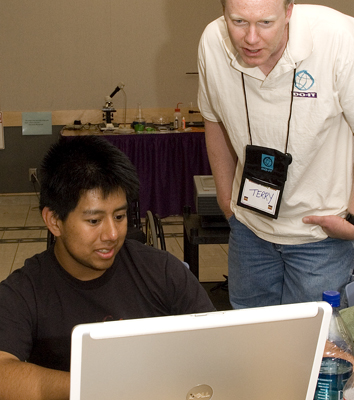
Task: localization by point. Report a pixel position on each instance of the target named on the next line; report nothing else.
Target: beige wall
(68, 55)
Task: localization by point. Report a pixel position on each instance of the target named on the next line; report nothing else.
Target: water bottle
(348, 391)
(337, 363)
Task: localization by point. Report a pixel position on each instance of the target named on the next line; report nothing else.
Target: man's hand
(223, 161)
(225, 207)
(228, 214)
(333, 225)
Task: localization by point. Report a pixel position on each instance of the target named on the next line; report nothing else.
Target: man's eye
(93, 221)
(120, 217)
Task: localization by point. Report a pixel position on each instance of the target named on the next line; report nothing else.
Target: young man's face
(258, 30)
(92, 234)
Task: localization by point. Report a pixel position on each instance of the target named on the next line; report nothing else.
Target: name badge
(263, 180)
(259, 196)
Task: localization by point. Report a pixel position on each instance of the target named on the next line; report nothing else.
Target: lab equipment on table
(177, 117)
(161, 123)
(139, 120)
(108, 110)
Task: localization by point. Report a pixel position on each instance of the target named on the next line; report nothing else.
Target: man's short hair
(72, 167)
(286, 3)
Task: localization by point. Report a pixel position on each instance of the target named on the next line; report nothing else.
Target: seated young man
(90, 274)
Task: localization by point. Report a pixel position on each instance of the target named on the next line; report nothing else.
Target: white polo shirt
(321, 48)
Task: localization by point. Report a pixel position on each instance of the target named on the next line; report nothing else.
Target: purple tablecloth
(166, 164)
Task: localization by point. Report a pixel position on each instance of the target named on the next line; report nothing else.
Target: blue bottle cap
(332, 297)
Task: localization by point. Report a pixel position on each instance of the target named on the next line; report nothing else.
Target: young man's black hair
(72, 167)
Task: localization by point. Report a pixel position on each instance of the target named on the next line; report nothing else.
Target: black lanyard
(290, 112)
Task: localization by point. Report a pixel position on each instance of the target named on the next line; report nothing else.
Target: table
(165, 163)
(194, 235)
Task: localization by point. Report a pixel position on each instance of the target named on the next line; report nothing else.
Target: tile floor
(21, 211)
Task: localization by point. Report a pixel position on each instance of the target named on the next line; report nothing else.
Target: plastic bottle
(348, 391)
(175, 123)
(336, 367)
(183, 123)
(177, 117)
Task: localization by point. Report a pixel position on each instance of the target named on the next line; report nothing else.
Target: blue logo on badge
(267, 163)
(304, 81)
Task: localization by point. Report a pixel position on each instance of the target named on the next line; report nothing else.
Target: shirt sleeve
(204, 96)
(16, 325)
(344, 72)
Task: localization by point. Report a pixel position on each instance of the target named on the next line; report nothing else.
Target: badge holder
(265, 171)
(263, 180)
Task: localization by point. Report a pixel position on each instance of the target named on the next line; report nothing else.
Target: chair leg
(150, 230)
(223, 285)
(160, 232)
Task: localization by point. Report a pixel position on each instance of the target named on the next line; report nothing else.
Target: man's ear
(51, 220)
(289, 12)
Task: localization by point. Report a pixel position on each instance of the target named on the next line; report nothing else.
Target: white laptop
(268, 353)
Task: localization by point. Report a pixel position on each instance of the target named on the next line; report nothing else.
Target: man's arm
(333, 225)
(25, 381)
(223, 161)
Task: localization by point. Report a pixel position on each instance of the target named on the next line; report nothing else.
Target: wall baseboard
(8, 199)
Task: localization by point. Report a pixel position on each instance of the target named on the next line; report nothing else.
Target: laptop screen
(263, 353)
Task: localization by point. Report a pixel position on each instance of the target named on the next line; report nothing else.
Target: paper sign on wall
(36, 123)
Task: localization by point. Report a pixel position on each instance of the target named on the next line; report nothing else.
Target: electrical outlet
(32, 173)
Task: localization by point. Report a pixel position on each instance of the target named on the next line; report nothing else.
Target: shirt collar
(300, 44)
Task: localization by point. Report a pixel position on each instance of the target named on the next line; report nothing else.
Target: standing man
(276, 90)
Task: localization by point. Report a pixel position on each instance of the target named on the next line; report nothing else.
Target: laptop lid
(263, 353)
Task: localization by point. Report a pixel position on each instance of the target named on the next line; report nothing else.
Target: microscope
(108, 109)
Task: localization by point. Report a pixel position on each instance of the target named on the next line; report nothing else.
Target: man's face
(258, 30)
(92, 234)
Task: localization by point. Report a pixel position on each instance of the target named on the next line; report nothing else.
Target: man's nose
(110, 230)
(252, 35)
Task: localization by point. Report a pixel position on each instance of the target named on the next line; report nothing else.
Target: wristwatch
(350, 218)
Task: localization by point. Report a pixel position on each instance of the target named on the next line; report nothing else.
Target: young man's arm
(25, 381)
(223, 161)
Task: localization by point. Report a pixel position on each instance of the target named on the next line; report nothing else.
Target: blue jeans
(263, 273)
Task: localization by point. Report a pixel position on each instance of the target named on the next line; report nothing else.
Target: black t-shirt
(41, 303)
